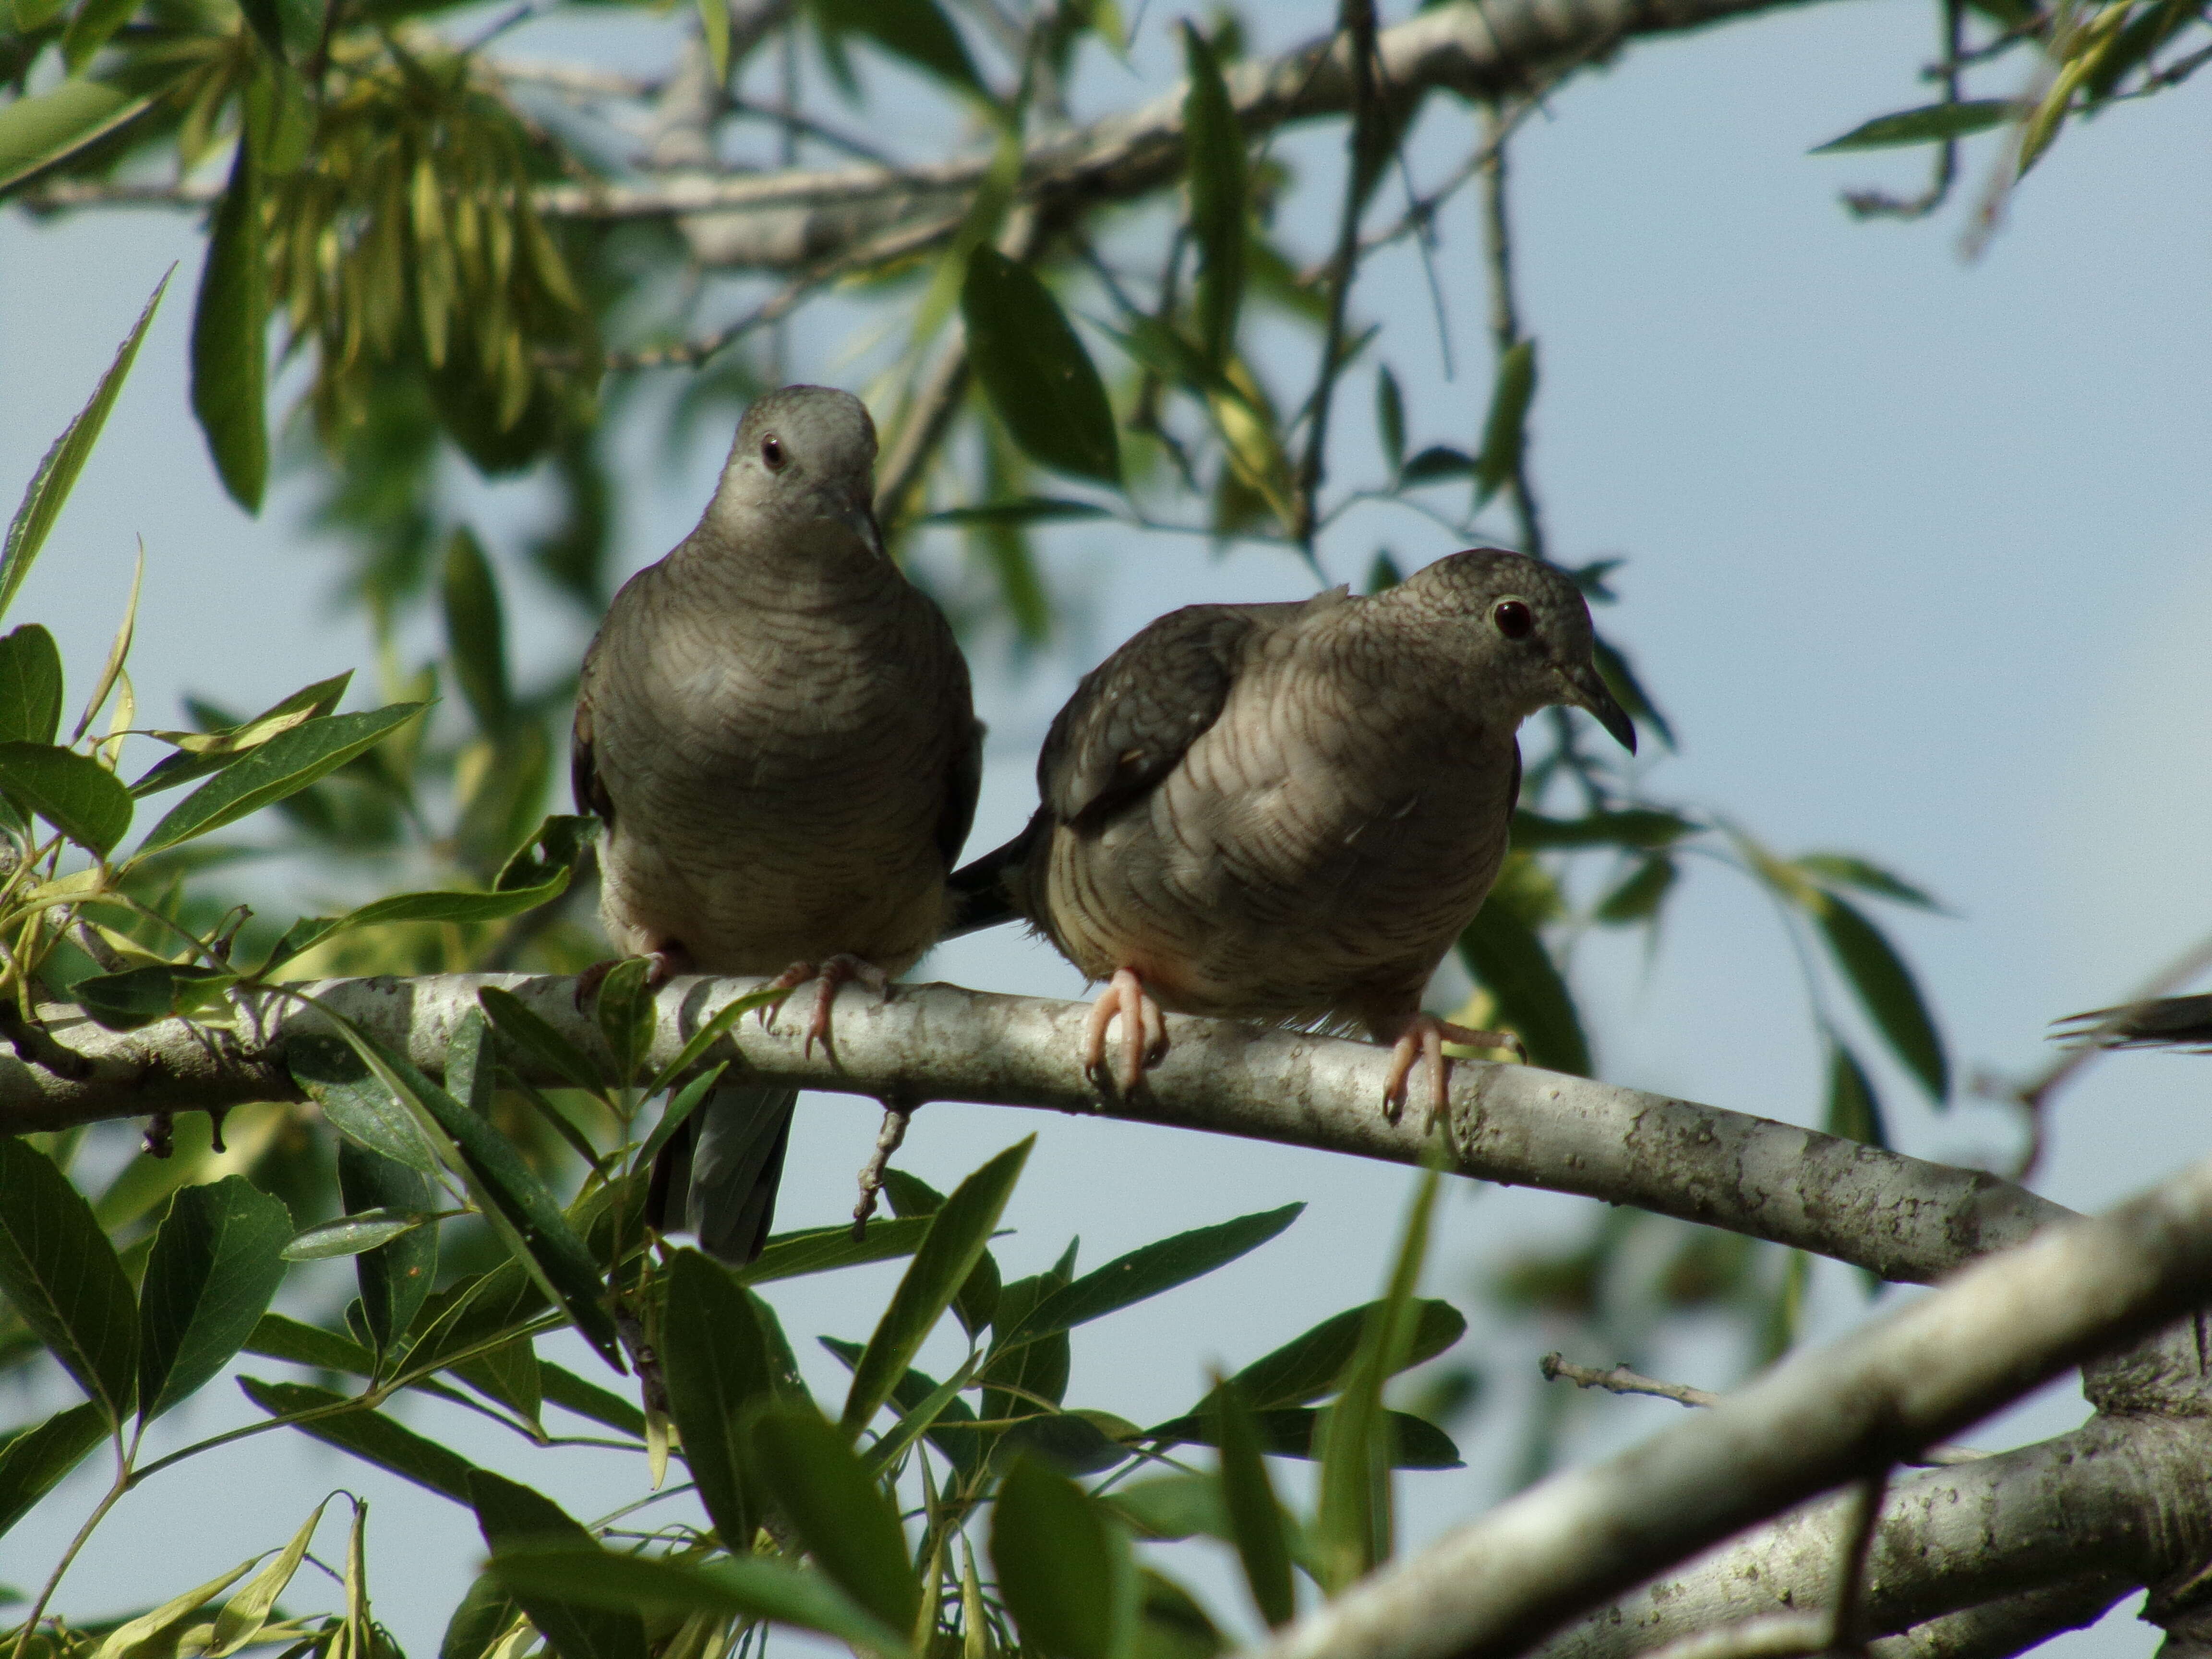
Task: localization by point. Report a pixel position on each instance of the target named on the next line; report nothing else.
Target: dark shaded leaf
(36, 1459)
(624, 1010)
(950, 1430)
(278, 1336)
(1074, 1443)
(395, 1274)
(357, 1105)
(1389, 422)
(1026, 509)
(1635, 827)
(1843, 870)
(74, 793)
(1437, 461)
(718, 1368)
(824, 1249)
(370, 1436)
(1214, 146)
(1150, 1270)
(480, 1619)
(1313, 1363)
(957, 1235)
(571, 1392)
(1172, 1507)
(1885, 988)
(1507, 958)
(532, 1037)
(845, 1519)
(915, 30)
(1504, 432)
(512, 1516)
(160, 990)
(283, 766)
(1063, 1564)
(1255, 1519)
(1854, 1109)
(217, 1259)
(1038, 376)
(1296, 1431)
(230, 334)
(476, 627)
(59, 1271)
(1930, 124)
(1639, 897)
(1620, 678)
(30, 686)
(1174, 1624)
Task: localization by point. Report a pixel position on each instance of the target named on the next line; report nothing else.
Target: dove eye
(1513, 619)
(772, 453)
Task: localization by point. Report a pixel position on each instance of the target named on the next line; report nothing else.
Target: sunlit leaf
(72, 792)
(199, 753)
(244, 1615)
(154, 1635)
(62, 1276)
(30, 686)
(349, 1235)
(217, 1259)
(36, 1459)
(283, 766)
(35, 132)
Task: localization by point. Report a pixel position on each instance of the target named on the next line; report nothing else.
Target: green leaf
(624, 1011)
(370, 1436)
(1025, 509)
(1390, 418)
(571, 1392)
(514, 1020)
(1506, 956)
(718, 1368)
(958, 1234)
(359, 1106)
(509, 1374)
(155, 1635)
(1063, 1565)
(1640, 827)
(160, 990)
(915, 30)
(714, 30)
(1173, 1507)
(351, 1235)
(1843, 870)
(1619, 677)
(513, 1517)
(1437, 461)
(455, 906)
(1505, 428)
(395, 1272)
(476, 629)
(34, 1460)
(1255, 1516)
(481, 1616)
(845, 1519)
(1038, 376)
(199, 753)
(1930, 124)
(230, 334)
(283, 766)
(825, 1250)
(30, 686)
(246, 1612)
(1151, 1269)
(36, 132)
(74, 793)
(217, 1261)
(1352, 1529)
(1313, 1363)
(1639, 897)
(59, 1271)
(26, 130)
(94, 23)
(1854, 1109)
(1219, 213)
(696, 1046)
(1885, 988)
(280, 1337)
(507, 1189)
(918, 1394)
(747, 1586)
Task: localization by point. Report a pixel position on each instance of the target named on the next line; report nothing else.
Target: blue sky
(1917, 563)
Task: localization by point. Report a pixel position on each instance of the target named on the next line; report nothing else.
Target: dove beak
(1586, 691)
(861, 516)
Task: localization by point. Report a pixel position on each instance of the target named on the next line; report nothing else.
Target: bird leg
(1423, 1037)
(1144, 1032)
(665, 960)
(828, 976)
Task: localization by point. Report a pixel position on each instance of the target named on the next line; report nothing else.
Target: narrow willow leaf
(72, 792)
(1505, 428)
(512, 1517)
(476, 626)
(571, 1392)
(958, 1234)
(62, 1275)
(1063, 1564)
(1847, 870)
(1854, 1109)
(349, 1235)
(1025, 509)
(36, 1459)
(1214, 144)
(747, 1586)
(198, 753)
(1151, 1269)
(1930, 124)
(30, 686)
(118, 653)
(1035, 371)
(153, 1634)
(1413, 1443)
(1887, 990)
(246, 1612)
(1507, 958)
(916, 30)
(714, 30)
(826, 1249)
(92, 26)
(624, 1011)
(36, 132)
(1639, 897)
(1437, 461)
(843, 1517)
(454, 907)
(283, 766)
(1255, 1519)
(357, 1105)
(230, 335)
(395, 1272)
(138, 997)
(718, 1368)
(677, 1113)
(1313, 1363)
(1390, 418)
(696, 1046)
(484, 1613)
(215, 1263)
(514, 1019)
(277, 1336)
(370, 1436)
(1635, 827)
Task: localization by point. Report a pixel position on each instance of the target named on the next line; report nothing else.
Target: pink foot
(1423, 1037)
(1144, 1032)
(828, 975)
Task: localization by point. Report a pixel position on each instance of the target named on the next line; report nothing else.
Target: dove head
(802, 452)
(1524, 628)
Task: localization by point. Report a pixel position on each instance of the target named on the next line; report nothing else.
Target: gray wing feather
(738, 1144)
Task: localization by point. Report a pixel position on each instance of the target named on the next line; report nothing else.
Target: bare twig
(889, 1139)
(1621, 1380)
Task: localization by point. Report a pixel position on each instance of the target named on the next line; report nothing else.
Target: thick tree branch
(1822, 1416)
(1903, 1218)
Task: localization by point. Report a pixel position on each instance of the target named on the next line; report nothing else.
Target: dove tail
(717, 1177)
(982, 891)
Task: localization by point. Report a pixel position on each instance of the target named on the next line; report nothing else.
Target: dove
(775, 728)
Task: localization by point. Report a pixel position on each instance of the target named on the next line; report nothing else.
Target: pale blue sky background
(1917, 563)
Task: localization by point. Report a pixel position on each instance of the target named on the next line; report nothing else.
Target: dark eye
(772, 453)
(1513, 619)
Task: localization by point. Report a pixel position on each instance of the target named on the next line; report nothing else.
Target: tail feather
(983, 890)
(717, 1177)
(2162, 1022)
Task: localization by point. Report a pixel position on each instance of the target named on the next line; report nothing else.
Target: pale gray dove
(1287, 813)
(776, 728)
